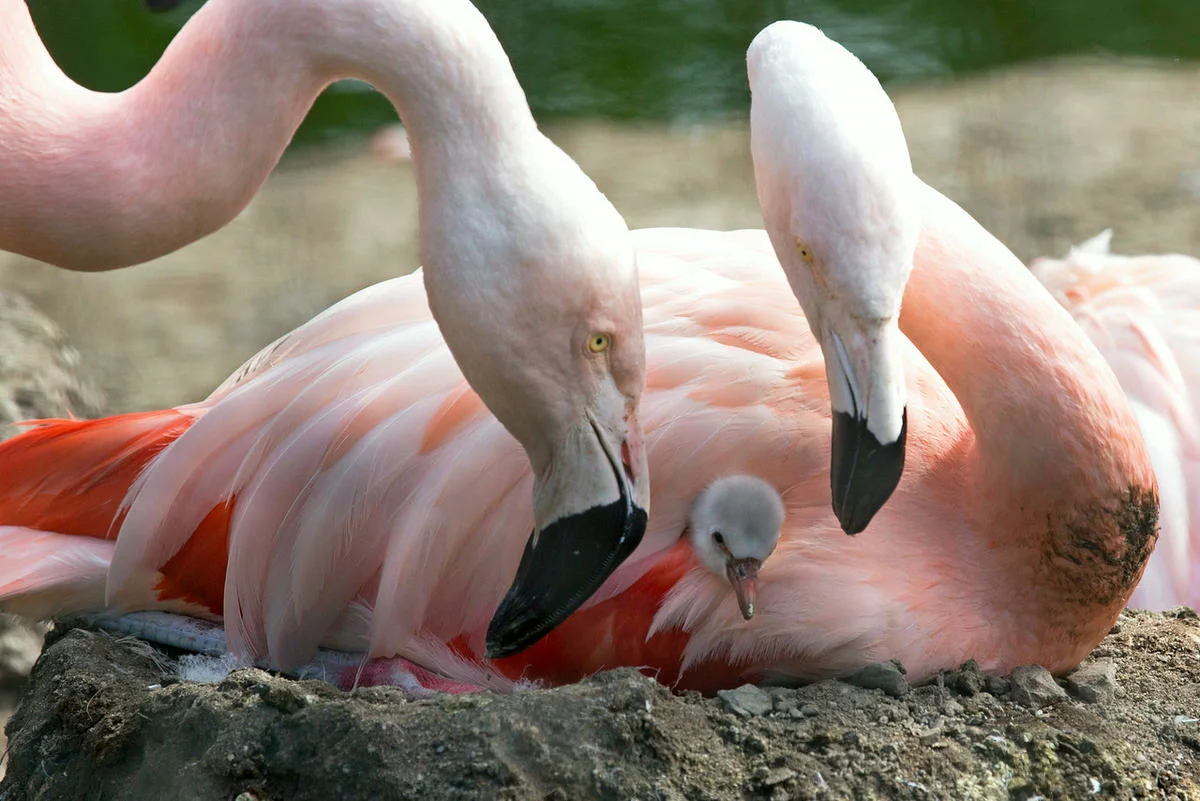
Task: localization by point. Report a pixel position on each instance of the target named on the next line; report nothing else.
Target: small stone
(952, 708)
(246, 797)
(810, 710)
(778, 776)
(754, 745)
(886, 676)
(1033, 686)
(851, 738)
(1094, 682)
(967, 680)
(746, 700)
(785, 703)
(931, 735)
(997, 685)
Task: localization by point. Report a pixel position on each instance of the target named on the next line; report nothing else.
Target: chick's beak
(743, 575)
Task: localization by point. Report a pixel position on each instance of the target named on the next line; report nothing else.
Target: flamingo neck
(1057, 462)
(96, 181)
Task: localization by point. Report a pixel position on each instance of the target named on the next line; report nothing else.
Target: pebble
(1094, 682)
(747, 701)
(886, 676)
(997, 685)
(1033, 686)
(779, 776)
(967, 680)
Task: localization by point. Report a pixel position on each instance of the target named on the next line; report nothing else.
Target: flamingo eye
(718, 538)
(598, 343)
(804, 250)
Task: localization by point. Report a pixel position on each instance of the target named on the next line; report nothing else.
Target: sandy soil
(1044, 156)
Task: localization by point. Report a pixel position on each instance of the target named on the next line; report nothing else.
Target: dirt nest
(107, 719)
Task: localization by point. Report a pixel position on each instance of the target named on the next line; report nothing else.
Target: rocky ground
(1044, 156)
(106, 719)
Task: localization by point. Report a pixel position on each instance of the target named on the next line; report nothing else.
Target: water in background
(673, 60)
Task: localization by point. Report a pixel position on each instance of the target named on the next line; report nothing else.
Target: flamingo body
(345, 488)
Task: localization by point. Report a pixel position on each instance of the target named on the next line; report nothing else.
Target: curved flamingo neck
(1058, 477)
(1047, 413)
(96, 181)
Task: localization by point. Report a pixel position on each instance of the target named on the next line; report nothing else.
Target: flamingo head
(837, 192)
(536, 292)
(734, 526)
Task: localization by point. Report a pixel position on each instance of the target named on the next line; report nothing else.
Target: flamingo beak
(870, 425)
(743, 575)
(567, 560)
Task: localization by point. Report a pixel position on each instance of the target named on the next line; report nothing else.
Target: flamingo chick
(734, 526)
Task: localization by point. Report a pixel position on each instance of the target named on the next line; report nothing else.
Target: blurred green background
(672, 60)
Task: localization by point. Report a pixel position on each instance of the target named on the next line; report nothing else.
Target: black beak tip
(573, 556)
(864, 472)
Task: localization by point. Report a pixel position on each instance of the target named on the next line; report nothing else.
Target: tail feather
(44, 574)
(71, 476)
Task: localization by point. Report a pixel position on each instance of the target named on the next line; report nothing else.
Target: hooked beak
(870, 423)
(568, 560)
(743, 575)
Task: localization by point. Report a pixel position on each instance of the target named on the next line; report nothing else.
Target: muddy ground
(1044, 156)
(107, 720)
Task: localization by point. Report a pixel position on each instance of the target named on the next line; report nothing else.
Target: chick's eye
(598, 343)
(717, 538)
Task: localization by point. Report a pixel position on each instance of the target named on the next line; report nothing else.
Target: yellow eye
(805, 252)
(598, 343)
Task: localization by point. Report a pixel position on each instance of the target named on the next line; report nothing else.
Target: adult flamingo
(1143, 313)
(529, 270)
(346, 489)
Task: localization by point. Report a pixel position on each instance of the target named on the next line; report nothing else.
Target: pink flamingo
(1141, 312)
(529, 270)
(346, 489)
